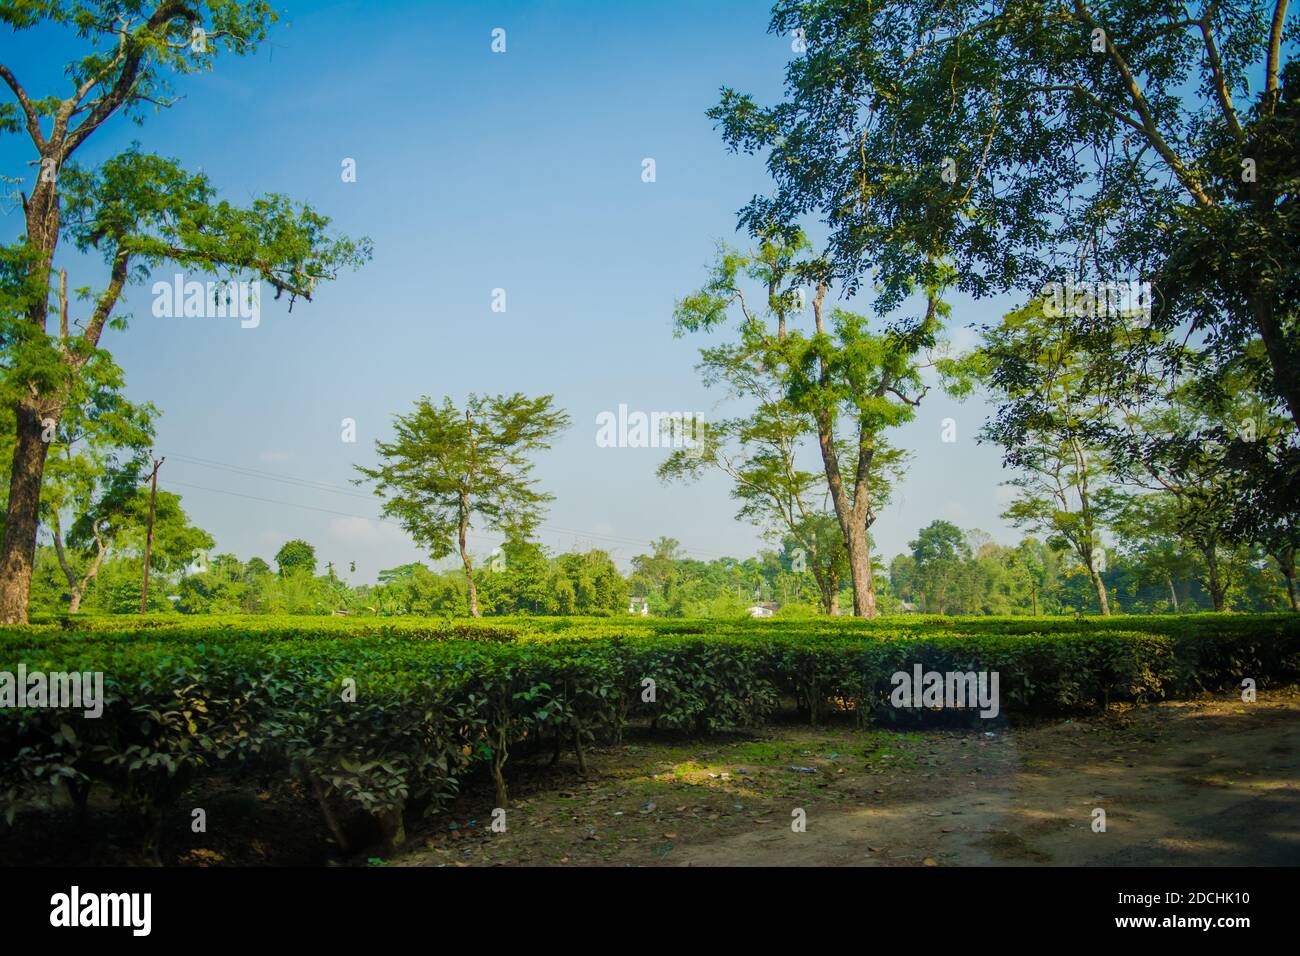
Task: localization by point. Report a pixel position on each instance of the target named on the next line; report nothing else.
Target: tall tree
(852, 383)
(940, 569)
(1012, 141)
(654, 575)
(138, 210)
(99, 500)
(96, 452)
(1062, 494)
(1052, 411)
(759, 452)
(448, 466)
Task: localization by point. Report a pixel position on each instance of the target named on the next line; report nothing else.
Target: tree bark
(853, 521)
(18, 552)
(828, 582)
(832, 593)
(853, 527)
(1173, 594)
(864, 587)
(464, 556)
(1100, 585)
(76, 587)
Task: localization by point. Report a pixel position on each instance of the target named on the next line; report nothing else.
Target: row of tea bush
(386, 719)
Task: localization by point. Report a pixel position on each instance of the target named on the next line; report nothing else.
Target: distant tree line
(945, 571)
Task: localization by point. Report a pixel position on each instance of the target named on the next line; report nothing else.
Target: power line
(271, 476)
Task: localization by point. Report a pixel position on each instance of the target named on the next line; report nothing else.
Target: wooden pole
(148, 538)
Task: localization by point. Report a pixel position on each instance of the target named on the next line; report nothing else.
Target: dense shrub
(380, 715)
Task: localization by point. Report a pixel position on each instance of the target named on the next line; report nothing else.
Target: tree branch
(1148, 124)
(1274, 54)
(29, 109)
(107, 104)
(1220, 82)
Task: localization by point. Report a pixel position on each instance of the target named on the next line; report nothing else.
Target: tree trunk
(852, 515)
(1173, 594)
(1217, 588)
(43, 215)
(18, 552)
(864, 589)
(1286, 561)
(464, 556)
(74, 592)
(76, 587)
(828, 586)
(331, 821)
(498, 776)
(1286, 374)
(1101, 590)
(852, 523)
(22, 517)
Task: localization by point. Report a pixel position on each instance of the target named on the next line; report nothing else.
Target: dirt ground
(1213, 781)
(1205, 782)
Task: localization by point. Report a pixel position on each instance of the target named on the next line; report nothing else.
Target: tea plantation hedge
(381, 715)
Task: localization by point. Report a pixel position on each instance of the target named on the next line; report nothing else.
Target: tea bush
(378, 716)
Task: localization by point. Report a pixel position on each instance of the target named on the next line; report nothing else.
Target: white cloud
(364, 531)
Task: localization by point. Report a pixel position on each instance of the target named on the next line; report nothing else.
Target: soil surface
(1204, 782)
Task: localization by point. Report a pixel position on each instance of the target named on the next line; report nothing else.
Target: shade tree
(137, 210)
(448, 467)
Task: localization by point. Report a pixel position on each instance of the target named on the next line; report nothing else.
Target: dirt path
(1210, 782)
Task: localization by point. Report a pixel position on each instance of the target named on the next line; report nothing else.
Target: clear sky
(475, 171)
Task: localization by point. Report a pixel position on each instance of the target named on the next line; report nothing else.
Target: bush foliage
(382, 716)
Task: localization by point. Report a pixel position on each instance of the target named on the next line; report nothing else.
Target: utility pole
(148, 538)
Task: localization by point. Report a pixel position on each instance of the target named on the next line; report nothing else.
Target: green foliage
(448, 466)
(137, 210)
(371, 715)
(296, 557)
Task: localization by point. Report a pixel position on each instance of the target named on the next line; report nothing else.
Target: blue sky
(475, 171)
